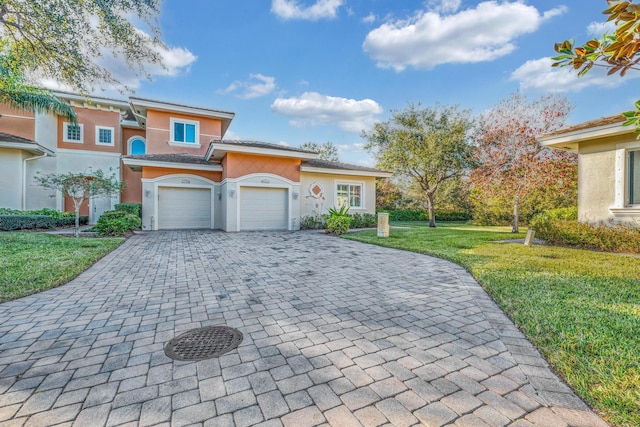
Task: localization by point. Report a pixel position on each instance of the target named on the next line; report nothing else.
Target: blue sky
(323, 70)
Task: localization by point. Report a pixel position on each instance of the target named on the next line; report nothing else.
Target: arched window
(137, 145)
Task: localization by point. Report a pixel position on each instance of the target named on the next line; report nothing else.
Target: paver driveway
(334, 331)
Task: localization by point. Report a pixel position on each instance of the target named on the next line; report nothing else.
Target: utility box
(383, 225)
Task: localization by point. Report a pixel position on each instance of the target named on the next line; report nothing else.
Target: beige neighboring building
(608, 168)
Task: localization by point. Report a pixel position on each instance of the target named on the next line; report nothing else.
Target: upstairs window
(137, 146)
(350, 195)
(104, 135)
(73, 133)
(185, 131)
(633, 177)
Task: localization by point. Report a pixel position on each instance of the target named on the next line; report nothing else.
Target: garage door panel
(184, 208)
(263, 208)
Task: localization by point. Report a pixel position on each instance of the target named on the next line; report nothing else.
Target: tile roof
(7, 137)
(326, 164)
(602, 121)
(258, 144)
(175, 104)
(171, 158)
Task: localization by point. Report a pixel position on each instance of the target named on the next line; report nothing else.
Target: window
(185, 131)
(137, 146)
(633, 177)
(73, 133)
(104, 135)
(349, 194)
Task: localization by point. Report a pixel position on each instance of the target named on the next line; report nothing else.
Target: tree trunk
(514, 225)
(432, 213)
(76, 231)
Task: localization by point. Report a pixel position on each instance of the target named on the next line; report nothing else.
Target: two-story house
(176, 164)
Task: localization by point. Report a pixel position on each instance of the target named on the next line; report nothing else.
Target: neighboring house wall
(596, 183)
(46, 133)
(17, 122)
(11, 178)
(314, 205)
(159, 130)
(236, 165)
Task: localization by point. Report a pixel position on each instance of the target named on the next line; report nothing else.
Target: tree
(511, 163)
(328, 151)
(619, 52)
(428, 145)
(69, 40)
(81, 187)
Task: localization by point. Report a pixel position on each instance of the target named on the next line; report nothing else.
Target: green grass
(580, 308)
(33, 262)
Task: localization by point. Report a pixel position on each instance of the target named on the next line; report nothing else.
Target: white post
(528, 240)
(383, 225)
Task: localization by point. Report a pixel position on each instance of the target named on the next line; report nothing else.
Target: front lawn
(581, 309)
(33, 262)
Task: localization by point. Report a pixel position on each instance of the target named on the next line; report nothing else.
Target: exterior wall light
(232, 193)
(295, 196)
(147, 193)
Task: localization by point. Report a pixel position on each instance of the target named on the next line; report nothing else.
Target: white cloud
(369, 19)
(479, 34)
(597, 29)
(321, 9)
(539, 75)
(445, 6)
(312, 109)
(257, 86)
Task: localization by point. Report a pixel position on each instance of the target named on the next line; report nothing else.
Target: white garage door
(180, 208)
(263, 208)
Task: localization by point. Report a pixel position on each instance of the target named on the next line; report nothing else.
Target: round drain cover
(203, 343)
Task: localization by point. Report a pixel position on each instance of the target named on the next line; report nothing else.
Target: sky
(296, 71)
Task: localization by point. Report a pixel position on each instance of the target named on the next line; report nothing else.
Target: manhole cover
(203, 343)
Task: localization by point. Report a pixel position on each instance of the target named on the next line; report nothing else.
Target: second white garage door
(182, 208)
(263, 208)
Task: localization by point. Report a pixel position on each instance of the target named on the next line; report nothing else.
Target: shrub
(8, 211)
(25, 222)
(69, 220)
(561, 227)
(313, 222)
(130, 208)
(113, 223)
(364, 220)
(338, 224)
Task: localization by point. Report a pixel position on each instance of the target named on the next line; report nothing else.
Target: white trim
(257, 175)
(172, 138)
(124, 105)
(87, 152)
(133, 138)
(568, 141)
(184, 144)
(621, 187)
(113, 136)
(18, 117)
(31, 148)
(274, 152)
(159, 129)
(65, 131)
(162, 106)
(354, 172)
(337, 182)
(131, 124)
(171, 165)
(178, 176)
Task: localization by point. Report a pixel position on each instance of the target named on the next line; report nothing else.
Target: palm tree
(23, 96)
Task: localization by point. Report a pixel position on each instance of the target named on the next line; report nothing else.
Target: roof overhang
(376, 174)
(34, 148)
(96, 100)
(217, 151)
(140, 106)
(569, 141)
(138, 164)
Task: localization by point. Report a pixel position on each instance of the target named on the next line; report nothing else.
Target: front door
(97, 207)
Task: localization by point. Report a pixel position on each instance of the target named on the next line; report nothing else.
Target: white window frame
(113, 136)
(65, 132)
(172, 141)
(350, 183)
(133, 138)
(622, 175)
(627, 178)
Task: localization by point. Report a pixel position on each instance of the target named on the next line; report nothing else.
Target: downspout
(24, 178)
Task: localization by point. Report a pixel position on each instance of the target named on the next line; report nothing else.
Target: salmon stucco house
(176, 164)
(608, 168)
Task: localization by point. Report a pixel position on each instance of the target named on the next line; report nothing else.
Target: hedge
(115, 223)
(30, 222)
(130, 208)
(407, 215)
(561, 227)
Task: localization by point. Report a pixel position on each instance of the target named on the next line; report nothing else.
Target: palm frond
(30, 98)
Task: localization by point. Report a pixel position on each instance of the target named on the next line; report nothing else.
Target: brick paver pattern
(335, 333)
